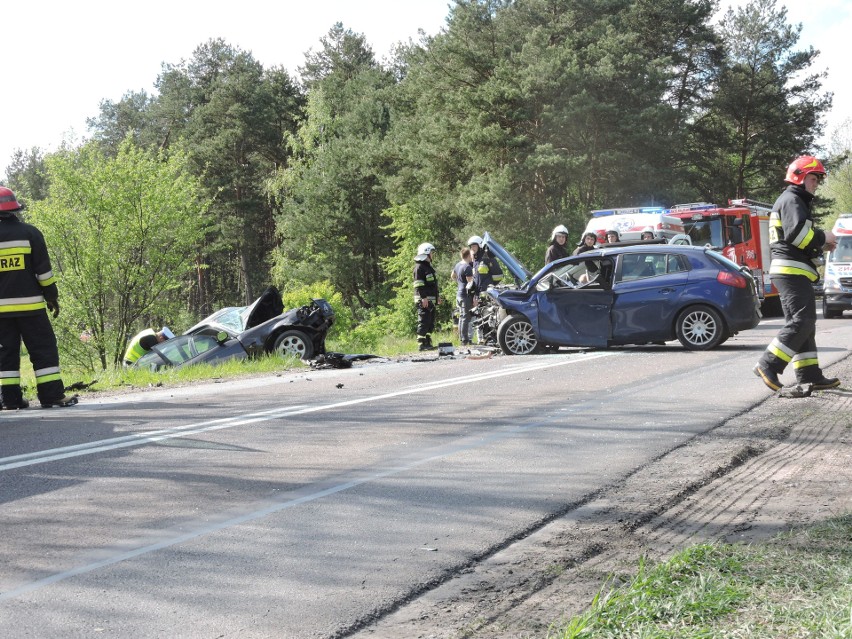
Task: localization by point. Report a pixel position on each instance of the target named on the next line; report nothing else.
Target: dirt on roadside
(784, 463)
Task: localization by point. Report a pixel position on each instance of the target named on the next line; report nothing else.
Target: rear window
(718, 257)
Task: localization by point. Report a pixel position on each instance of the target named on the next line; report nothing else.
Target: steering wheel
(569, 283)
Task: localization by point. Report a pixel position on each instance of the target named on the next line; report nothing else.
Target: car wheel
(700, 328)
(516, 336)
(294, 343)
(828, 313)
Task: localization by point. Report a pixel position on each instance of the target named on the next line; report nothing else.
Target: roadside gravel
(785, 462)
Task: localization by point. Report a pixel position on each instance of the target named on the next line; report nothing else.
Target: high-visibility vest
(135, 350)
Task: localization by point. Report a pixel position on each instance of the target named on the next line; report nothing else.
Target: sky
(61, 59)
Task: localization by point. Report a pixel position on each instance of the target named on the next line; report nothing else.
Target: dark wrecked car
(638, 293)
(247, 331)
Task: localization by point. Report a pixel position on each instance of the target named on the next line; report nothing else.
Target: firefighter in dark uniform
(486, 270)
(27, 290)
(794, 243)
(425, 295)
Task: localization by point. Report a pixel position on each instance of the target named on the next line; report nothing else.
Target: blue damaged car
(632, 293)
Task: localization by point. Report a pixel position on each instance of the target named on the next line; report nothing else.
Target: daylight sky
(62, 58)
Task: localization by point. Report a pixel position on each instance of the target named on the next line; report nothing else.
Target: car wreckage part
(294, 343)
(517, 336)
(700, 328)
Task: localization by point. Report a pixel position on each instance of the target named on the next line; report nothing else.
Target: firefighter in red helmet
(794, 244)
(27, 290)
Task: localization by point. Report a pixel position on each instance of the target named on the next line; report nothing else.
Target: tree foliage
(765, 110)
(122, 233)
(331, 195)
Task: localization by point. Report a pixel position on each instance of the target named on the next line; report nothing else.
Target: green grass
(121, 378)
(797, 585)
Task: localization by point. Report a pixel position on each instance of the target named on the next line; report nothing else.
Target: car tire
(294, 343)
(700, 328)
(516, 336)
(828, 313)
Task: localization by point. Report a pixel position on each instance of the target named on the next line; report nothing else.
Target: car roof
(644, 248)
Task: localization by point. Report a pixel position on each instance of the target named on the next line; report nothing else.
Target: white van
(837, 283)
(630, 222)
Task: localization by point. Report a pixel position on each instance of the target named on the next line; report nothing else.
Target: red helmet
(801, 166)
(8, 203)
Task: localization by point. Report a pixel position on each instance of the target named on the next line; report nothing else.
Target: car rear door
(648, 287)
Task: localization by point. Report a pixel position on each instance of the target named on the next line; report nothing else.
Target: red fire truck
(740, 232)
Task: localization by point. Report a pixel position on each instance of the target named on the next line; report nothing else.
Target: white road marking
(139, 439)
(440, 452)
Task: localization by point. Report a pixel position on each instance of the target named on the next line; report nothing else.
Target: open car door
(575, 301)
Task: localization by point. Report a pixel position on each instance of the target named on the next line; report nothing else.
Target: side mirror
(221, 337)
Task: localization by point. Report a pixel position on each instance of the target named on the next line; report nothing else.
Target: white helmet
(559, 229)
(475, 239)
(423, 251)
(167, 332)
(648, 229)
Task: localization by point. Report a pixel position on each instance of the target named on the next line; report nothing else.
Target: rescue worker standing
(463, 276)
(486, 270)
(558, 247)
(794, 243)
(647, 233)
(589, 243)
(142, 342)
(27, 291)
(425, 295)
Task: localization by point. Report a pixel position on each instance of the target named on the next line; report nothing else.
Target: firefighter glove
(53, 307)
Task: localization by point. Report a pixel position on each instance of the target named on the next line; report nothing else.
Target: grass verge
(120, 378)
(794, 586)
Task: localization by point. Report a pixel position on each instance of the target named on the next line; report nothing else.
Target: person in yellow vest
(143, 341)
(27, 291)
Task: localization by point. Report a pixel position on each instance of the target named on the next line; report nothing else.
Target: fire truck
(740, 231)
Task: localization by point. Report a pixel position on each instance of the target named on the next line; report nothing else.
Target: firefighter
(27, 291)
(557, 249)
(143, 341)
(486, 270)
(647, 233)
(612, 236)
(425, 295)
(588, 243)
(794, 243)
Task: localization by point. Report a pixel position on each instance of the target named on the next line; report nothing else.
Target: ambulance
(630, 222)
(837, 283)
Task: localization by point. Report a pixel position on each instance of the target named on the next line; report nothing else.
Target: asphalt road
(309, 504)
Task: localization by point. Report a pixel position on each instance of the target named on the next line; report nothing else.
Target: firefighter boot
(21, 404)
(63, 402)
(825, 383)
(769, 376)
(425, 343)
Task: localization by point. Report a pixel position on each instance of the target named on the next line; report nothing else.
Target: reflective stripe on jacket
(794, 241)
(26, 277)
